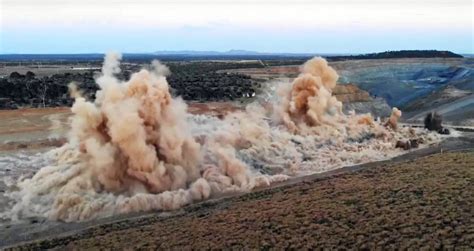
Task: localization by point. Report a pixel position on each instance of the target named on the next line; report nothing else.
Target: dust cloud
(135, 148)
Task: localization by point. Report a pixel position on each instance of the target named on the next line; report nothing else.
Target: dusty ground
(427, 203)
(33, 128)
(217, 109)
(47, 127)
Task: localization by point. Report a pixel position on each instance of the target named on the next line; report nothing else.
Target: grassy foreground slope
(423, 203)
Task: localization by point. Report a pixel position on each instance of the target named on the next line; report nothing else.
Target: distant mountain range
(235, 53)
(386, 54)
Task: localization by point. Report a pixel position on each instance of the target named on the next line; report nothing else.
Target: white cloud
(145, 13)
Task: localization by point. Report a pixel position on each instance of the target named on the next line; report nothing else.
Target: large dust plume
(135, 148)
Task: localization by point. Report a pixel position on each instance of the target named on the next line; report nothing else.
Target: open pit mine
(136, 148)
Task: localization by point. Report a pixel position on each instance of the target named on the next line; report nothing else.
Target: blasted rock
(433, 122)
(409, 144)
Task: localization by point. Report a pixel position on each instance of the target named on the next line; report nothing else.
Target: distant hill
(379, 55)
(210, 53)
(192, 53)
(401, 54)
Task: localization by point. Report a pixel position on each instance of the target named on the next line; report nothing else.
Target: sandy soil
(427, 203)
(31, 119)
(47, 127)
(31, 125)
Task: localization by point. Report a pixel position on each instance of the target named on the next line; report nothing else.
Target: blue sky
(357, 26)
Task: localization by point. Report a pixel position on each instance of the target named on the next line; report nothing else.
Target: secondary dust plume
(135, 148)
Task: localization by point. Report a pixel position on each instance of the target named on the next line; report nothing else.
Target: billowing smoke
(135, 148)
(308, 102)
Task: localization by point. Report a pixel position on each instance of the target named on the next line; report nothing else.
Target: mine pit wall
(352, 97)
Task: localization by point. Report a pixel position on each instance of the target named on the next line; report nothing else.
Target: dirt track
(424, 203)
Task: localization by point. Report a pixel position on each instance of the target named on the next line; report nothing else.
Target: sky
(299, 26)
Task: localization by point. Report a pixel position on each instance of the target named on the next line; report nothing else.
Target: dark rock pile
(409, 144)
(212, 86)
(194, 81)
(200, 81)
(433, 123)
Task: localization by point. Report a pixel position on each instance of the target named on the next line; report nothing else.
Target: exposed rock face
(351, 93)
(445, 95)
(404, 83)
(354, 98)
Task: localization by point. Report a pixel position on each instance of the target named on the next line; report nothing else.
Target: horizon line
(250, 52)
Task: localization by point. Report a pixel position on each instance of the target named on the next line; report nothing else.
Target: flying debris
(433, 123)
